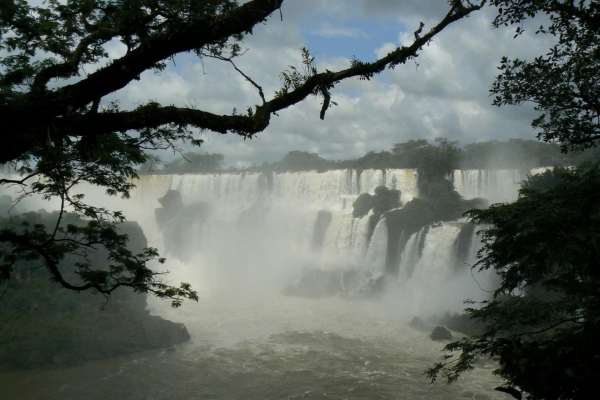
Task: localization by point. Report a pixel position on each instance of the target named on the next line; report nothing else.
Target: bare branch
(260, 90)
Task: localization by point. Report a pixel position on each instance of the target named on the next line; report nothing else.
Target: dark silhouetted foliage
(545, 246)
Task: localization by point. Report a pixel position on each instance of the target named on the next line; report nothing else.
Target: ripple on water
(283, 348)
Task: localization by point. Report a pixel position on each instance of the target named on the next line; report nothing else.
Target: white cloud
(385, 49)
(446, 95)
(329, 30)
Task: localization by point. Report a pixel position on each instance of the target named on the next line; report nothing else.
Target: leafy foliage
(97, 252)
(563, 84)
(543, 323)
(440, 158)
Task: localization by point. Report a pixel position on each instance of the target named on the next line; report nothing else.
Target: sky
(445, 93)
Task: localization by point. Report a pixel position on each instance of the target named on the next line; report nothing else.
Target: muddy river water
(276, 348)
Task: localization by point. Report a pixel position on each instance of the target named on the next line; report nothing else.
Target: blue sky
(445, 95)
(355, 37)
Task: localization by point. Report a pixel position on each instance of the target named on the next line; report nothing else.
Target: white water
(433, 279)
(250, 341)
(258, 236)
(277, 244)
(497, 186)
(376, 254)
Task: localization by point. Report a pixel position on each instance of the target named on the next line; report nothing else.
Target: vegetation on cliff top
(432, 159)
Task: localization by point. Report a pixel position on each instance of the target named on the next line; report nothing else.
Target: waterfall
(495, 185)
(429, 277)
(405, 180)
(290, 203)
(410, 255)
(377, 252)
(258, 229)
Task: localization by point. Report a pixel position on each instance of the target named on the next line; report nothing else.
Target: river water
(251, 342)
(273, 348)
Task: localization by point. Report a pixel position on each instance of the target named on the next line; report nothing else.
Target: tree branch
(153, 115)
(260, 90)
(71, 66)
(48, 105)
(54, 108)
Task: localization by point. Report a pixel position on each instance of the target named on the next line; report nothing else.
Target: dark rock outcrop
(112, 336)
(461, 323)
(157, 332)
(440, 333)
(362, 205)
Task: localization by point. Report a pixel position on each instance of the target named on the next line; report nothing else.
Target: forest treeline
(437, 158)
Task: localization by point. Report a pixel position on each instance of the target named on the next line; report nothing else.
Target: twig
(260, 91)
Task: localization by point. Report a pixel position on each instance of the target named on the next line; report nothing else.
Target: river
(274, 348)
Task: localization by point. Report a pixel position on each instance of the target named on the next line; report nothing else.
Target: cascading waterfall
(410, 255)
(291, 200)
(404, 180)
(241, 238)
(495, 185)
(430, 274)
(377, 251)
(259, 227)
(255, 215)
(266, 222)
(434, 267)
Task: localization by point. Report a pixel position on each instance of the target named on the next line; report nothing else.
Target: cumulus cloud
(443, 93)
(327, 29)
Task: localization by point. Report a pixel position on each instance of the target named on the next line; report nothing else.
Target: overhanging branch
(153, 115)
(54, 109)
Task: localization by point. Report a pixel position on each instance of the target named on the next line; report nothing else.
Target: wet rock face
(440, 333)
(362, 205)
(158, 332)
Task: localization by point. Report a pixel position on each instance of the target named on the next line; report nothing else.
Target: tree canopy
(563, 84)
(58, 132)
(543, 321)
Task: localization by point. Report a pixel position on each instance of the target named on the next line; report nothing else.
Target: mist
(293, 285)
